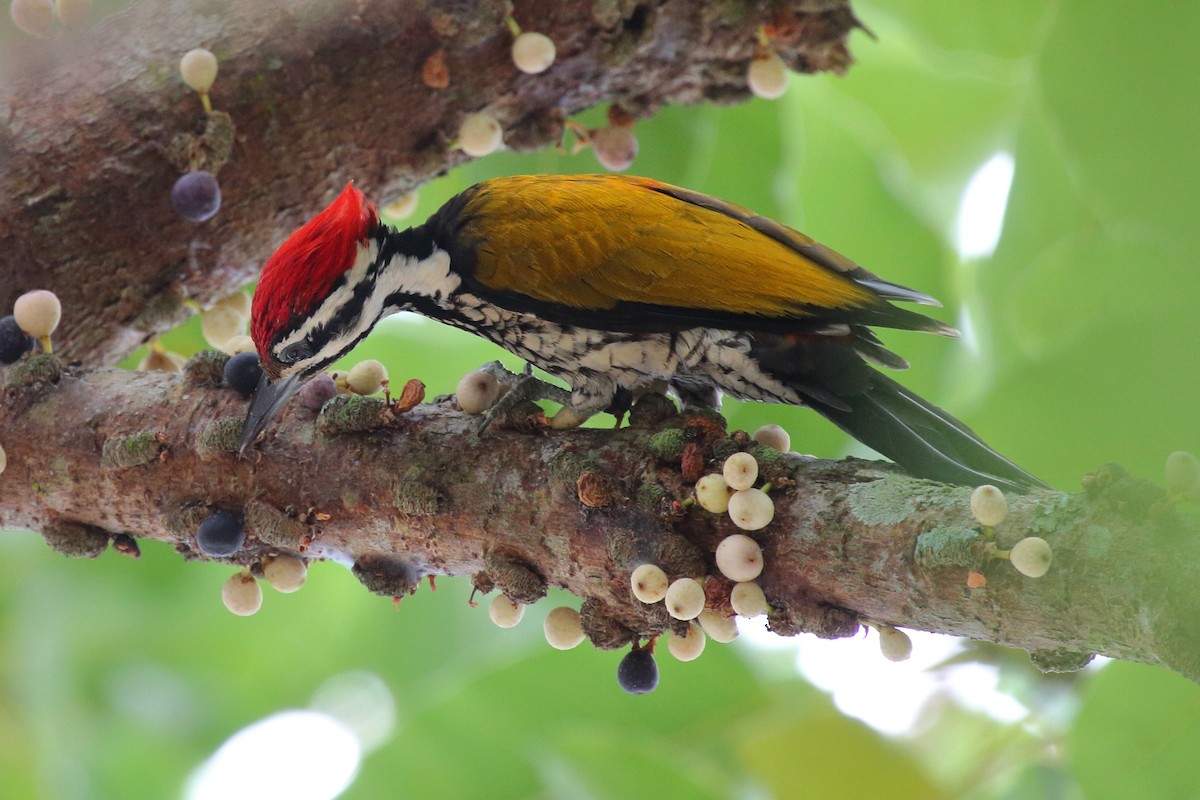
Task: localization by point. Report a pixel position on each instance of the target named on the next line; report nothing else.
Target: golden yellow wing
(660, 255)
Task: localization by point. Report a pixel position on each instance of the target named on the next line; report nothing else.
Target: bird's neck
(412, 271)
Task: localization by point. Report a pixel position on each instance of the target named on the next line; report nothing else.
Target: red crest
(304, 269)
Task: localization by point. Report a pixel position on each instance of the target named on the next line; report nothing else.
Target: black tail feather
(922, 438)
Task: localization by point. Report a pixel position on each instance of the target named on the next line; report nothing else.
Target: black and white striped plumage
(615, 284)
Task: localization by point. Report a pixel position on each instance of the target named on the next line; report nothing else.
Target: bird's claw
(522, 388)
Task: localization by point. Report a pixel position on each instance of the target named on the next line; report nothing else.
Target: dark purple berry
(319, 390)
(637, 672)
(242, 373)
(14, 342)
(196, 196)
(220, 535)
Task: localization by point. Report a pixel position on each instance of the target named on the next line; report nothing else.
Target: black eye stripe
(296, 352)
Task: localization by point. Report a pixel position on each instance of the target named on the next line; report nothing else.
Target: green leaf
(1137, 735)
(829, 755)
(509, 725)
(1089, 297)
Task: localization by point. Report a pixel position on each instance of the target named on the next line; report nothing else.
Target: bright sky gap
(981, 208)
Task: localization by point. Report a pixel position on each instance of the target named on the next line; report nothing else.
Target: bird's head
(306, 313)
(294, 319)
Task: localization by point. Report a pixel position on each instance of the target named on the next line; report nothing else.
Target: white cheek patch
(331, 304)
(430, 277)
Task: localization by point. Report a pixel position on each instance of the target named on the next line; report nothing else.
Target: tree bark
(96, 125)
(94, 454)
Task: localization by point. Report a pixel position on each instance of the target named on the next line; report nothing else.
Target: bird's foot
(521, 389)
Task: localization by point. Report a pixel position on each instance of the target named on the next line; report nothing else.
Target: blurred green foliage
(118, 678)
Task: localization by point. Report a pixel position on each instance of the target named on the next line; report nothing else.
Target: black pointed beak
(269, 397)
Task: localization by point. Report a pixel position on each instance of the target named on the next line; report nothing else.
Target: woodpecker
(615, 283)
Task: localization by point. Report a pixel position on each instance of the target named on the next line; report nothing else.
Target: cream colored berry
(615, 147)
(285, 573)
(685, 598)
(1183, 472)
(477, 392)
(894, 643)
(1031, 556)
(533, 52)
(649, 583)
(73, 12)
(402, 208)
(505, 611)
(161, 361)
(239, 344)
(687, 648)
(751, 509)
(562, 628)
(767, 77)
(719, 629)
(219, 324)
(740, 471)
(367, 377)
(3, 460)
(198, 68)
(32, 16)
(748, 600)
(773, 437)
(712, 493)
(238, 301)
(739, 558)
(38, 313)
(989, 505)
(242, 594)
(480, 134)
(566, 418)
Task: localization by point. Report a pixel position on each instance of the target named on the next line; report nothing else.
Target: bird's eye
(295, 352)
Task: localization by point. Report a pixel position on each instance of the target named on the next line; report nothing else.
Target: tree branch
(94, 134)
(96, 129)
(400, 496)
